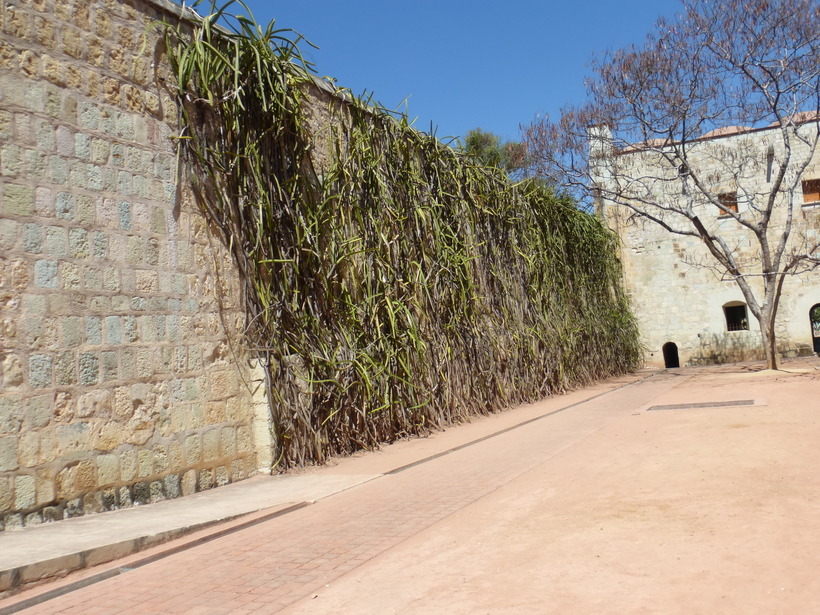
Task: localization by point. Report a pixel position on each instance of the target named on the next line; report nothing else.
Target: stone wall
(676, 292)
(122, 382)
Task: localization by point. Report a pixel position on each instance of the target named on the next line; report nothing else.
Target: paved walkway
(393, 498)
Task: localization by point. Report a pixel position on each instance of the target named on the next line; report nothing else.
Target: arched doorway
(670, 355)
(814, 319)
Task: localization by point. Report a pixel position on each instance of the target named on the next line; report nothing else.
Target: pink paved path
(605, 507)
(267, 567)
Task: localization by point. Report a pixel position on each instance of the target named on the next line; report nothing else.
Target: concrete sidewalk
(37, 554)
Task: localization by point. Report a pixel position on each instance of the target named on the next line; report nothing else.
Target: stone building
(120, 382)
(690, 310)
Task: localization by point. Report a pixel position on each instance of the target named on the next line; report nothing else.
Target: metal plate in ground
(706, 404)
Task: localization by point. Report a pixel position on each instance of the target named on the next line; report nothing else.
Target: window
(736, 318)
(811, 191)
(728, 201)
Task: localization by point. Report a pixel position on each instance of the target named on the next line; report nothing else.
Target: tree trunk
(769, 340)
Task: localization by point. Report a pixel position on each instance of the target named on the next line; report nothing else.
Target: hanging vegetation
(392, 285)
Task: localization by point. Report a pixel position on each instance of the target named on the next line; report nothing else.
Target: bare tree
(648, 138)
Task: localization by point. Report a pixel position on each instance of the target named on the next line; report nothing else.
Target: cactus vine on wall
(392, 285)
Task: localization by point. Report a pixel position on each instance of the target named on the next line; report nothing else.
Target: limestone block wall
(122, 380)
(675, 294)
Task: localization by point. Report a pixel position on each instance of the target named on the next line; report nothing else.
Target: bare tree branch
(682, 130)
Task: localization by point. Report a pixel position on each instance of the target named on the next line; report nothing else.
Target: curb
(61, 566)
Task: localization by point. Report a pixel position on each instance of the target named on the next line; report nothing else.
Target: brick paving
(265, 568)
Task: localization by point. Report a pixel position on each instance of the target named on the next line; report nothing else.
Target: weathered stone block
(94, 177)
(73, 508)
(206, 479)
(18, 200)
(75, 438)
(244, 440)
(100, 245)
(145, 463)
(141, 493)
(175, 455)
(172, 486)
(64, 205)
(72, 330)
(9, 230)
(13, 522)
(39, 371)
(35, 166)
(39, 411)
(82, 146)
(6, 494)
(111, 435)
(89, 369)
(45, 274)
(34, 304)
(96, 403)
(12, 370)
(189, 482)
(108, 469)
(33, 519)
(11, 161)
(16, 275)
(133, 250)
(157, 491)
(85, 475)
(109, 365)
(228, 441)
(223, 383)
(92, 502)
(65, 369)
(222, 476)
(193, 449)
(113, 330)
(92, 277)
(64, 406)
(160, 459)
(89, 114)
(84, 210)
(78, 243)
(52, 513)
(28, 449)
(69, 273)
(111, 279)
(210, 445)
(130, 329)
(25, 494)
(59, 171)
(32, 239)
(109, 499)
(93, 330)
(56, 243)
(147, 281)
(8, 454)
(196, 416)
(128, 465)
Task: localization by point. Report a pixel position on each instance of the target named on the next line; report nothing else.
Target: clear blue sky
(463, 64)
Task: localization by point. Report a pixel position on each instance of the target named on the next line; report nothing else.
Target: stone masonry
(121, 378)
(676, 294)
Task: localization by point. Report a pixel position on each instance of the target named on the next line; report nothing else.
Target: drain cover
(706, 404)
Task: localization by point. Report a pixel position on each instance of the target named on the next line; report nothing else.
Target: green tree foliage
(487, 148)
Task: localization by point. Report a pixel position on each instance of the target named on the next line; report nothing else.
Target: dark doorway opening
(814, 318)
(670, 355)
